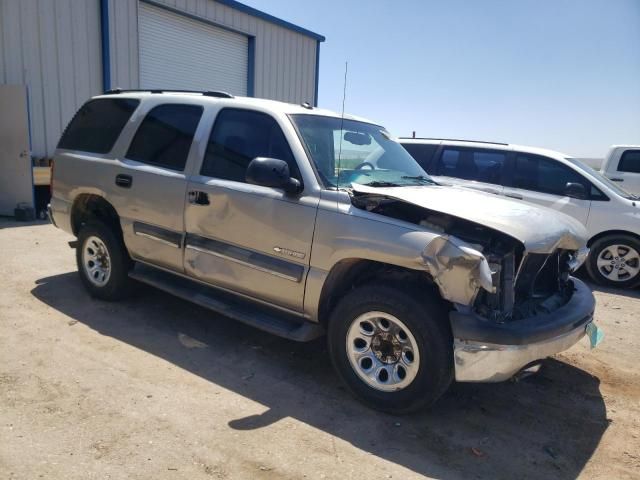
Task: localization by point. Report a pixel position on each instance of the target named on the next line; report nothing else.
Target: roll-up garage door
(177, 52)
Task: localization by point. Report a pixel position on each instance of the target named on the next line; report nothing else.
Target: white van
(544, 177)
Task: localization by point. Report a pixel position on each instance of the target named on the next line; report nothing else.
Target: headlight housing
(577, 258)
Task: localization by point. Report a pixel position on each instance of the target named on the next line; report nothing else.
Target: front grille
(542, 285)
(542, 274)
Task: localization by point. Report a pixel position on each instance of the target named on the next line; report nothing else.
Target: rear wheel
(393, 352)
(614, 261)
(103, 262)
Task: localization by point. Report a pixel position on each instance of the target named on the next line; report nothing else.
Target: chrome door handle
(124, 181)
(197, 197)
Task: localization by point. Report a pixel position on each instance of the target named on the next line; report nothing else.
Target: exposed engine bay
(480, 267)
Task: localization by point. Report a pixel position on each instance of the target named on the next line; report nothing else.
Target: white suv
(552, 179)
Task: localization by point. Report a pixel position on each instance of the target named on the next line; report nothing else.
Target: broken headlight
(577, 258)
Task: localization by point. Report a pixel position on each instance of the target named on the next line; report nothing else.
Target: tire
(105, 277)
(614, 261)
(429, 373)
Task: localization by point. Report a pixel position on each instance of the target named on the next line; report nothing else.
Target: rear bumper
(50, 215)
(487, 352)
(59, 212)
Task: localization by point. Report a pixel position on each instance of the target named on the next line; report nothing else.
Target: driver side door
(541, 180)
(249, 239)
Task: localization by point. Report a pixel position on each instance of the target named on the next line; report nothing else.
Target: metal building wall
(285, 60)
(54, 48)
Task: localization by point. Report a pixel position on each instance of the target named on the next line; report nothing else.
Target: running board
(265, 318)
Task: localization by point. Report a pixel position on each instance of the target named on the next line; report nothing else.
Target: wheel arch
(89, 206)
(350, 273)
(608, 233)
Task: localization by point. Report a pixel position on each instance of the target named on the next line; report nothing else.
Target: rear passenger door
(480, 169)
(249, 239)
(542, 180)
(149, 185)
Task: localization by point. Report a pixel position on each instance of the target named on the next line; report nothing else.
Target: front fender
(457, 268)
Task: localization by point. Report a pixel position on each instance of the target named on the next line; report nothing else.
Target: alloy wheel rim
(96, 261)
(618, 263)
(382, 351)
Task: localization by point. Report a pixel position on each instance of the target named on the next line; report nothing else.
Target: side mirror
(575, 190)
(271, 172)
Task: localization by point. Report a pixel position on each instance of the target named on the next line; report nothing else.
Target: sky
(559, 74)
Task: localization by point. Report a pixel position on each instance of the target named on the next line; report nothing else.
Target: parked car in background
(552, 179)
(298, 221)
(622, 165)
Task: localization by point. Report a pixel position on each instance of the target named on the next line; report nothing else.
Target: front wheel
(394, 352)
(614, 261)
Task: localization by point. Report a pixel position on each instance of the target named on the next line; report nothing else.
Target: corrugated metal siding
(123, 42)
(285, 61)
(179, 52)
(54, 48)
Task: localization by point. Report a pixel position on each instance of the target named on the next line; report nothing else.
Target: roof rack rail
(217, 94)
(206, 93)
(452, 140)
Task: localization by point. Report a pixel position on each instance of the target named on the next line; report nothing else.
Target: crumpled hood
(540, 229)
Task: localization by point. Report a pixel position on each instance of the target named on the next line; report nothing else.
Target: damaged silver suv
(301, 222)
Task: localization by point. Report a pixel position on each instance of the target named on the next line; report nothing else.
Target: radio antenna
(344, 95)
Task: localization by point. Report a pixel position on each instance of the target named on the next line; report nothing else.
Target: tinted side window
(165, 136)
(238, 137)
(544, 175)
(630, 162)
(422, 153)
(96, 126)
(481, 165)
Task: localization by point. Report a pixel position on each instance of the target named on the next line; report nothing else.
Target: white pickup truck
(622, 165)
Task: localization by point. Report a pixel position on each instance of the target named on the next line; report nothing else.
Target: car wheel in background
(614, 261)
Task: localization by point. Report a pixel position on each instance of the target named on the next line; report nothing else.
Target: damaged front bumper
(493, 352)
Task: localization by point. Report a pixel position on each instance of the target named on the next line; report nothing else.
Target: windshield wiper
(380, 183)
(422, 178)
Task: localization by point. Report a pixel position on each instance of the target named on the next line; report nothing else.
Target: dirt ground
(155, 387)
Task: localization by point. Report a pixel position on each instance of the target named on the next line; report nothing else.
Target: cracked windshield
(347, 151)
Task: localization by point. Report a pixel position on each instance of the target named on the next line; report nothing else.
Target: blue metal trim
(270, 18)
(106, 54)
(198, 18)
(315, 95)
(251, 67)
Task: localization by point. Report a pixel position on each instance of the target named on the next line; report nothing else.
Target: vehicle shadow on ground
(546, 426)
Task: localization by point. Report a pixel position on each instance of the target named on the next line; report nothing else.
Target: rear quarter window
(97, 125)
